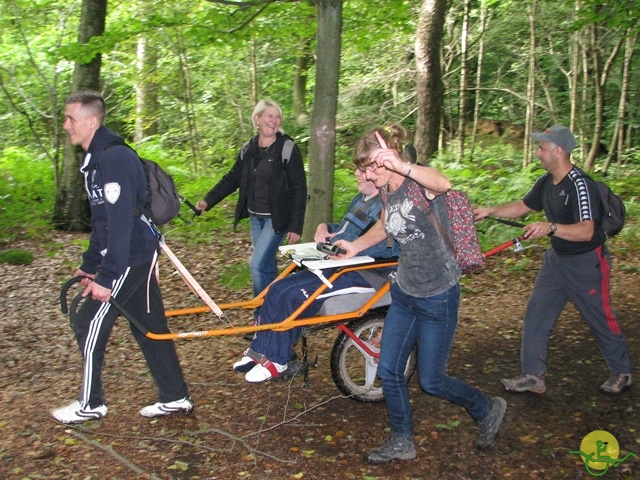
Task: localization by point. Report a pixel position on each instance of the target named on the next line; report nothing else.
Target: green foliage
(27, 191)
(448, 426)
(208, 53)
(235, 276)
(16, 256)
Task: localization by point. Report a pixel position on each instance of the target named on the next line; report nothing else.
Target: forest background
(181, 81)
(469, 79)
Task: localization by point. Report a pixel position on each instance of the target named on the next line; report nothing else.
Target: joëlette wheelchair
(359, 317)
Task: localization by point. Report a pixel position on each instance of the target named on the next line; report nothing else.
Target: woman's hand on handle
(202, 205)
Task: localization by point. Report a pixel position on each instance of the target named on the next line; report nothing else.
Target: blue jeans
(431, 322)
(262, 263)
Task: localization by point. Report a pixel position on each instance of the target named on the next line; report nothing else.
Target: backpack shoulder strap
(142, 211)
(438, 226)
(424, 203)
(244, 149)
(114, 142)
(110, 144)
(287, 149)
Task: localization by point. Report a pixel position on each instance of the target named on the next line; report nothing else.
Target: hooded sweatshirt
(116, 184)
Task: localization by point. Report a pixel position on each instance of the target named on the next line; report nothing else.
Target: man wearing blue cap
(577, 267)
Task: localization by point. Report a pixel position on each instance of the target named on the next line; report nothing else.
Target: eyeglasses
(372, 167)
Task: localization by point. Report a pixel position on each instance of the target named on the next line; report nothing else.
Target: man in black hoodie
(118, 263)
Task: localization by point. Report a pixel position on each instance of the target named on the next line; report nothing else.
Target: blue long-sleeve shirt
(358, 218)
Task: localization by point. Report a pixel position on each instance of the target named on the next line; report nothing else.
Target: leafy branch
(242, 5)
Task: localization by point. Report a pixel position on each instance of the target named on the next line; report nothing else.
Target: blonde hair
(261, 106)
(395, 137)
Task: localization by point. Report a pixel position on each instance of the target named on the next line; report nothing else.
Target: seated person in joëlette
(270, 351)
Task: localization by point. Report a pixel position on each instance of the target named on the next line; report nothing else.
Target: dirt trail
(279, 430)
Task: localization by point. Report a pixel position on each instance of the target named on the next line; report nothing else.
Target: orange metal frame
(290, 322)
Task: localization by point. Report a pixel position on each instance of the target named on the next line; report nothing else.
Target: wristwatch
(552, 229)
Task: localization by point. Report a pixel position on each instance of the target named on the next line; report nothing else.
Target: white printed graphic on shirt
(400, 222)
(112, 192)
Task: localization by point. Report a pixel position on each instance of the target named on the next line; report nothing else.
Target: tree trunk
(303, 59)
(189, 103)
(616, 147)
(255, 88)
(71, 210)
(478, 81)
(462, 98)
(598, 97)
(600, 76)
(323, 117)
(429, 81)
(585, 97)
(531, 86)
(146, 92)
(574, 76)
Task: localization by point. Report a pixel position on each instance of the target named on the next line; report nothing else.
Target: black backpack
(612, 209)
(163, 201)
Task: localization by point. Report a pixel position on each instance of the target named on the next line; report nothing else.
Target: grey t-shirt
(426, 266)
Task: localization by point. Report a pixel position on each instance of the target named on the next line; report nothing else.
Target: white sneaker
(260, 373)
(76, 413)
(184, 405)
(244, 364)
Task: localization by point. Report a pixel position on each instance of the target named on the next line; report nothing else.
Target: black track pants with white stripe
(93, 324)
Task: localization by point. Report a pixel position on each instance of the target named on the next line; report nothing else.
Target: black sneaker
(490, 426)
(394, 448)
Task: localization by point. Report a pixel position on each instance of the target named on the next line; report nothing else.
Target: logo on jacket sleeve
(112, 192)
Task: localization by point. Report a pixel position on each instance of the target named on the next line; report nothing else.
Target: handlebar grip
(78, 298)
(508, 222)
(63, 292)
(192, 207)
